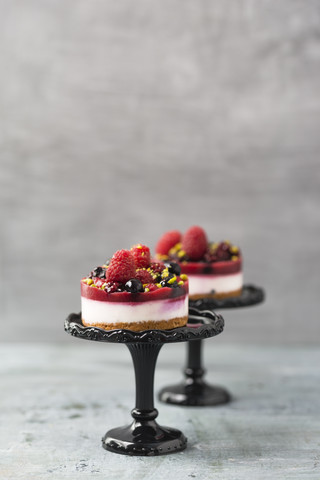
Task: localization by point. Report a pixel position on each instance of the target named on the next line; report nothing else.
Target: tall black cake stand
(144, 436)
(193, 391)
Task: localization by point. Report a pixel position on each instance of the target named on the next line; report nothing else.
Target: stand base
(144, 440)
(198, 394)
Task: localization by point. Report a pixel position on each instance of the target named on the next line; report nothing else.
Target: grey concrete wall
(120, 120)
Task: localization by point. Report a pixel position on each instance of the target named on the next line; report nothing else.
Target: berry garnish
(156, 267)
(167, 241)
(169, 281)
(134, 286)
(111, 287)
(195, 243)
(98, 272)
(144, 276)
(121, 267)
(141, 255)
(173, 267)
(223, 251)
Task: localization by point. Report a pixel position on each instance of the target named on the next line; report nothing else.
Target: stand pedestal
(194, 391)
(144, 436)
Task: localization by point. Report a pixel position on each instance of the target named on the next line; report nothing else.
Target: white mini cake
(131, 292)
(214, 269)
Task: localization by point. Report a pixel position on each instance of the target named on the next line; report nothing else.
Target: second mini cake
(214, 269)
(131, 292)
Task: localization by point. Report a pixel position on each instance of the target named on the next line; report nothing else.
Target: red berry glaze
(144, 276)
(141, 255)
(195, 243)
(121, 267)
(151, 287)
(167, 241)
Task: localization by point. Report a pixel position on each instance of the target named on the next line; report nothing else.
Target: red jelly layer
(163, 293)
(215, 268)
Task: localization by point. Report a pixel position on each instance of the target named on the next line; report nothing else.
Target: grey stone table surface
(58, 400)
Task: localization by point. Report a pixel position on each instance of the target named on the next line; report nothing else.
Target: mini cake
(214, 269)
(132, 292)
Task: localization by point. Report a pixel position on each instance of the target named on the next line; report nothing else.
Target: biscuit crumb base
(140, 326)
(235, 293)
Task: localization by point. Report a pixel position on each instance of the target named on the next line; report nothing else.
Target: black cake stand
(194, 391)
(144, 436)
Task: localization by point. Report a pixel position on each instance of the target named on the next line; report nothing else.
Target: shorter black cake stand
(144, 436)
(194, 391)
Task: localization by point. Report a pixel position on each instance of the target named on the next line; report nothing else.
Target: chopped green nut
(172, 280)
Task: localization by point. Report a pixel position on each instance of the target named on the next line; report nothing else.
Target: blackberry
(167, 281)
(173, 267)
(97, 271)
(103, 274)
(134, 286)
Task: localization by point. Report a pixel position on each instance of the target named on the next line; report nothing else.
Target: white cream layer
(97, 312)
(199, 284)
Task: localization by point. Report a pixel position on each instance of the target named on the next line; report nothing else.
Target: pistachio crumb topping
(172, 280)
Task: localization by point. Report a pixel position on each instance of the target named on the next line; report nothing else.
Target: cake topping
(121, 267)
(134, 286)
(193, 246)
(150, 287)
(144, 276)
(167, 241)
(111, 287)
(132, 271)
(195, 243)
(173, 267)
(141, 255)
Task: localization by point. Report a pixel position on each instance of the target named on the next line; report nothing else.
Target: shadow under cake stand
(194, 391)
(144, 436)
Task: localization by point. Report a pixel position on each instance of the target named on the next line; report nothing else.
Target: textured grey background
(120, 120)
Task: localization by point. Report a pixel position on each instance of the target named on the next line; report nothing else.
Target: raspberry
(144, 276)
(157, 267)
(141, 255)
(121, 267)
(167, 241)
(150, 287)
(195, 243)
